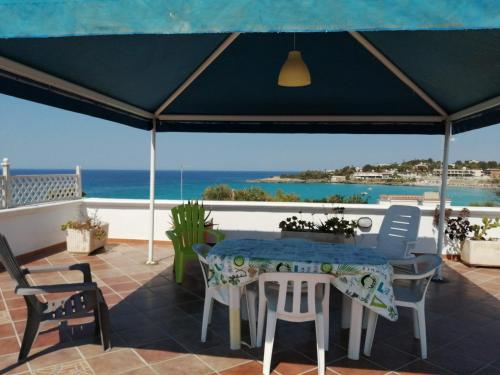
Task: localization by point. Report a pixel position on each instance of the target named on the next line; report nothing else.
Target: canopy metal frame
(82, 93)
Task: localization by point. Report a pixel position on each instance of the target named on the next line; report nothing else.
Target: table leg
(346, 311)
(355, 330)
(234, 317)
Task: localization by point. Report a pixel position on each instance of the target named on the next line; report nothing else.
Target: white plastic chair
(221, 295)
(294, 306)
(399, 231)
(409, 293)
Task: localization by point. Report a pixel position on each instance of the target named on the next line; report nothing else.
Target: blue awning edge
(36, 18)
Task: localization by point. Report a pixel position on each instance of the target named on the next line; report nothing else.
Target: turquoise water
(135, 184)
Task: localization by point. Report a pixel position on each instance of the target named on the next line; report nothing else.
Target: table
(360, 273)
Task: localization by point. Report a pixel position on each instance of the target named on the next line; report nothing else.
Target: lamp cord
(294, 41)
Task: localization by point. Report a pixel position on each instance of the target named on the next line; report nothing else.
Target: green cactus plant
(481, 231)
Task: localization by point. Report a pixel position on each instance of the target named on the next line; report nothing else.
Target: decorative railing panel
(25, 190)
(3, 192)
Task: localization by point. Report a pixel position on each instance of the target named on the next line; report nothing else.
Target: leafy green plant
(251, 194)
(480, 232)
(218, 192)
(333, 224)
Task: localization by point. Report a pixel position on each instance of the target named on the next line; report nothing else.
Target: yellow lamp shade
(294, 72)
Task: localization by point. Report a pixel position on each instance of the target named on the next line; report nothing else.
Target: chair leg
(422, 331)
(416, 332)
(320, 341)
(30, 334)
(207, 312)
(179, 267)
(268, 347)
(260, 320)
(251, 300)
(370, 331)
(97, 329)
(103, 322)
(326, 323)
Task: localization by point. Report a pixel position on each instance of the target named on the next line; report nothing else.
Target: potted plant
(334, 229)
(481, 249)
(85, 236)
(456, 231)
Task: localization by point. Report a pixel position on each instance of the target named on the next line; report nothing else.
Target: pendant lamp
(294, 72)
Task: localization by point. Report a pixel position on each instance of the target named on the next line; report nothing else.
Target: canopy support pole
(152, 172)
(442, 194)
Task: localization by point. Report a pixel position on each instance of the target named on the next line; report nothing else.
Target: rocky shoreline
(433, 183)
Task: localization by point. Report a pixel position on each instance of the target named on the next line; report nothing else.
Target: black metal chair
(87, 301)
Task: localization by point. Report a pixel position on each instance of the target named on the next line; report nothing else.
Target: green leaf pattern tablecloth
(359, 273)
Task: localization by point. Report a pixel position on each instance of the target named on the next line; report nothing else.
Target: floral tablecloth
(360, 273)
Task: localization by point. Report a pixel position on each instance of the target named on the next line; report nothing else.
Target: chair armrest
(174, 237)
(82, 267)
(219, 236)
(60, 288)
(410, 246)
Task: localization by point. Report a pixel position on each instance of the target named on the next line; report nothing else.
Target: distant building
(367, 176)
(492, 172)
(337, 178)
(462, 173)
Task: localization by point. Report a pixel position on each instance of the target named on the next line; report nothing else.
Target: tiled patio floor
(156, 327)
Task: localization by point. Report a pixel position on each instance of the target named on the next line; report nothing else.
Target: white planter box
(318, 237)
(481, 253)
(84, 241)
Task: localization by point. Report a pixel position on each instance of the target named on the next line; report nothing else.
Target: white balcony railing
(16, 191)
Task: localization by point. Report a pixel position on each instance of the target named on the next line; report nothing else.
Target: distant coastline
(430, 182)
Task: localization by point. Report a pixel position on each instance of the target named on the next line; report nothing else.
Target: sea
(134, 184)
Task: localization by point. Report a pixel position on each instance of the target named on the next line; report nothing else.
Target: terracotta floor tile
(248, 368)
(91, 346)
(16, 303)
(40, 358)
(79, 367)
(290, 362)
(9, 365)
(141, 371)
(18, 314)
(142, 334)
(160, 351)
(456, 361)
(115, 362)
(389, 357)
(362, 367)
(186, 365)
(6, 330)
(122, 287)
(221, 357)
(422, 367)
(9, 345)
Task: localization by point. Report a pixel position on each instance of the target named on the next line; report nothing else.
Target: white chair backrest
(298, 311)
(400, 226)
(425, 266)
(202, 251)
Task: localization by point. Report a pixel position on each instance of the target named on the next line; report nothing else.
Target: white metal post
(182, 172)
(78, 172)
(442, 193)
(6, 175)
(152, 172)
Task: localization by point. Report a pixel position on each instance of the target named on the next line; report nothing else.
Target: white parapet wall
(128, 218)
(34, 227)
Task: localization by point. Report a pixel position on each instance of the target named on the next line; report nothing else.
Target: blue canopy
(185, 65)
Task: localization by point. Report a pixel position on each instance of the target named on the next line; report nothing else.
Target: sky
(38, 136)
